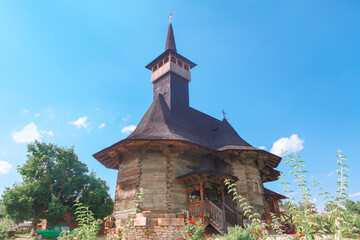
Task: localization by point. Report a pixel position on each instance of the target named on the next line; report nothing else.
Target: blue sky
(72, 73)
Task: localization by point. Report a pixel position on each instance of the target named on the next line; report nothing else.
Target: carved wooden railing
(217, 215)
(287, 223)
(195, 208)
(231, 216)
(220, 216)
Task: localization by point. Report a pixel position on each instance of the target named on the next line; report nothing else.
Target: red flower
(294, 232)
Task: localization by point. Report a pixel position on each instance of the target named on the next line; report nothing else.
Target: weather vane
(170, 16)
(224, 113)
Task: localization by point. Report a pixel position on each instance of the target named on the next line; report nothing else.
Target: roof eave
(156, 60)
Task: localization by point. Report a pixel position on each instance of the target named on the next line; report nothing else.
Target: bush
(88, 226)
(6, 226)
(194, 229)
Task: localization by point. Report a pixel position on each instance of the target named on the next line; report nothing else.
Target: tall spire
(170, 39)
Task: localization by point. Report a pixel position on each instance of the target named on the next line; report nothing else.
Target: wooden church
(180, 157)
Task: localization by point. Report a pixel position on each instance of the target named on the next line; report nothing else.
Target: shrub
(88, 225)
(194, 229)
(6, 225)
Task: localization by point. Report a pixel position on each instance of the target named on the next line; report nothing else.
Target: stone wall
(154, 232)
(155, 226)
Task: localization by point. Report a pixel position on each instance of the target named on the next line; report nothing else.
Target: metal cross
(224, 113)
(170, 16)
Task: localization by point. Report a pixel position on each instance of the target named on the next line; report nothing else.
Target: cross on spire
(170, 16)
(224, 113)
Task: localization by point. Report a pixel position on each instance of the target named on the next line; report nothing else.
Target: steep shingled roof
(170, 39)
(188, 125)
(272, 193)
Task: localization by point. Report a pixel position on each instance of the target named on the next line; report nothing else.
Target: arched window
(160, 63)
(166, 60)
(154, 68)
(173, 59)
(186, 67)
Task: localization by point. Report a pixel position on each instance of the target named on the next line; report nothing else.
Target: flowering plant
(193, 188)
(205, 213)
(207, 185)
(194, 230)
(194, 198)
(181, 211)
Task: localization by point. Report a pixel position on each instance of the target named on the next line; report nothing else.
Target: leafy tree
(2, 208)
(353, 207)
(53, 178)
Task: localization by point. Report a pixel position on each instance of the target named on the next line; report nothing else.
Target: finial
(170, 39)
(224, 113)
(170, 16)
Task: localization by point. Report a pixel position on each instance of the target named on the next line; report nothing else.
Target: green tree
(53, 178)
(2, 208)
(353, 207)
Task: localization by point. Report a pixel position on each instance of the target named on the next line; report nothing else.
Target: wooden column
(187, 197)
(223, 195)
(201, 190)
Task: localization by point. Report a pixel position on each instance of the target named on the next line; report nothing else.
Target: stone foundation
(155, 226)
(154, 232)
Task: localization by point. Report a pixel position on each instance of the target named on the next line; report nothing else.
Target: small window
(180, 63)
(173, 59)
(186, 67)
(256, 187)
(160, 63)
(166, 59)
(154, 68)
(56, 228)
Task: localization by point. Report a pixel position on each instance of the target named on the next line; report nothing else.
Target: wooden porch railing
(287, 223)
(195, 208)
(219, 217)
(231, 216)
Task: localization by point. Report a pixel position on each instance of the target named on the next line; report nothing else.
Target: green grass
(22, 234)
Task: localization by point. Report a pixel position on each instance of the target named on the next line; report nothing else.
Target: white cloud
(36, 115)
(51, 116)
(290, 145)
(4, 167)
(125, 119)
(128, 129)
(102, 125)
(50, 113)
(354, 194)
(50, 133)
(3, 153)
(262, 147)
(24, 110)
(330, 174)
(81, 122)
(28, 134)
